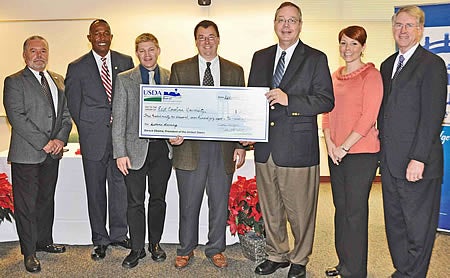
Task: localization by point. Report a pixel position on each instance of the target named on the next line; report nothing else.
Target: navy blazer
(411, 114)
(88, 103)
(293, 132)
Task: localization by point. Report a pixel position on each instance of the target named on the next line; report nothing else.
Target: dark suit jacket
(293, 138)
(125, 130)
(186, 155)
(88, 103)
(411, 114)
(31, 116)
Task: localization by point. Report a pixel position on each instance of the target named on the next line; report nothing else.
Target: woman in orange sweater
(352, 145)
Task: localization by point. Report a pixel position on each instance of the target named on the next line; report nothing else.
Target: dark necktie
(46, 90)
(401, 59)
(279, 71)
(106, 80)
(208, 78)
(48, 93)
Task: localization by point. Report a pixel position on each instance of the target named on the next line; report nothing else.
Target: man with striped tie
(89, 90)
(287, 167)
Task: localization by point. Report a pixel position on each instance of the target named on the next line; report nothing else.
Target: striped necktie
(279, 71)
(106, 79)
(401, 59)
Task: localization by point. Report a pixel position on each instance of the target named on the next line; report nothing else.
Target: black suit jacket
(411, 114)
(88, 103)
(293, 133)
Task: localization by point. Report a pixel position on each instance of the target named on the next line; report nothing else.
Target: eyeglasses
(208, 38)
(408, 26)
(290, 21)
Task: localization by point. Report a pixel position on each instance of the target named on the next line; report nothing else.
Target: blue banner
(436, 40)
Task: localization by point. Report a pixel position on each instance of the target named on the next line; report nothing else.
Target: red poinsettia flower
(244, 213)
(6, 199)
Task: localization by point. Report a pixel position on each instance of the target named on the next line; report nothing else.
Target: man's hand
(246, 143)
(54, 146)
(414, 172)
(176, 141)
(239, 157)
(123, 163)
(277, 96)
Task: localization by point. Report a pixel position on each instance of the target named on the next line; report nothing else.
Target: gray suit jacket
(125, 129)
(31, 116)
(186, 155)
(88, 103)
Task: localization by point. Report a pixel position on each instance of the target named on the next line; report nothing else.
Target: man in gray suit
(37, 111)
(89, 90)
(140, 158)
(201, 164)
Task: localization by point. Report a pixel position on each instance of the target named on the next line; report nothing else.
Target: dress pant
(351, 182)
(288, 194)
(157, 169)
(100, 199)
(34, 191)
(211, 174)
(411, 214)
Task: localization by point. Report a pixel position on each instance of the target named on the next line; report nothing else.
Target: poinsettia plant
(6, 199)
(244, 211)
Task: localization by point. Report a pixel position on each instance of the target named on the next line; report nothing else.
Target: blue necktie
(401, 59)
(279, 71)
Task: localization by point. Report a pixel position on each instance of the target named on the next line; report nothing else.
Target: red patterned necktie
(106, 79)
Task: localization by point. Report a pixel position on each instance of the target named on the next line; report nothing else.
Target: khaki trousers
(288, 194)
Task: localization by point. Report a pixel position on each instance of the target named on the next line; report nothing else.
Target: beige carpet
(76, 261)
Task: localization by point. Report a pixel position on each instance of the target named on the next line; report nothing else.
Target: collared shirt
(145, 76)
(215, 69)
(406, 55)
(287, 57)
(98, 60)
(51, 84)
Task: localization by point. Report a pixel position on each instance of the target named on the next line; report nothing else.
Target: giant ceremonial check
(204, 113)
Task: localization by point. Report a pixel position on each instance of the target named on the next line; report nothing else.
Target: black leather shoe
(297, 271)
(332, 271)
(158, 254)
(99, 252)
(52, 248)
(126, 243)
(32, 264)
(133, 258)
(268, 267)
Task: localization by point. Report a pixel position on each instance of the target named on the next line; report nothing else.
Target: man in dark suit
(287, 167)
(37, 111)
(140, 159)
(201, 164)
(415, 91)
(89, 88)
